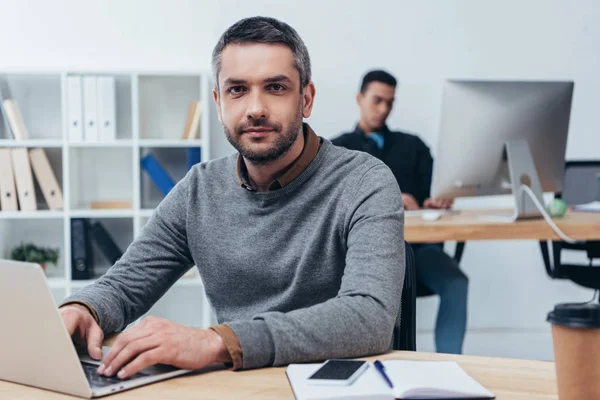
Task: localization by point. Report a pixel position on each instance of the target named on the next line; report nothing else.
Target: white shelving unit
(151, 114)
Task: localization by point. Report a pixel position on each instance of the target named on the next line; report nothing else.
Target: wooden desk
(466, 225)
(507, 379)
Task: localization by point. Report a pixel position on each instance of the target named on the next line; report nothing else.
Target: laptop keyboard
(96, 380)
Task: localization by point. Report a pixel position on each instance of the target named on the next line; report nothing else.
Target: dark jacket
(407, 156)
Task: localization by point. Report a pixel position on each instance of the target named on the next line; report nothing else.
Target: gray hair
(264, 30)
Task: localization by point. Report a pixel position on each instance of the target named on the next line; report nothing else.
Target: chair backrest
(581, 185)
(405, 330)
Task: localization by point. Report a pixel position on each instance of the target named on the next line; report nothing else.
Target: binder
(195, 125)
(188, 120)
(82, 259)
(4, 125)
(46, 179)
(75, 108)
(193, 157)
(90, 108)
(15, 119)
(192, 123)
(8, 194)
(24, 179)
(105, 243)
(158, 175)
(106, 109)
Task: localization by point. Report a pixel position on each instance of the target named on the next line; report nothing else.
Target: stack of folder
(91, 108)
(17, 189)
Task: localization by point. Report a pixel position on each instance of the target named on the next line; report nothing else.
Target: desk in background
(466, 225)
(508, 379)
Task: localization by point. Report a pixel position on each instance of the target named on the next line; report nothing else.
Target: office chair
(581, 186)
(405, 330)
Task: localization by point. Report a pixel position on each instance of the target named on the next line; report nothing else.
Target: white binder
(8, 194)
(24, 179)
(75, 108)
(106, 109)
(15, 119)
(5, 131)
(90, 108)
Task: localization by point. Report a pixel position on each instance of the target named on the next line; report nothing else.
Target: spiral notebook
(411, 379)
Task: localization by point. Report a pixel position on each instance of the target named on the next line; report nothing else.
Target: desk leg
(458, 252)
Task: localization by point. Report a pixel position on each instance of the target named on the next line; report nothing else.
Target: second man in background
(411, 163)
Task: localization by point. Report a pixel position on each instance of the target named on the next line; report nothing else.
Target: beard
(276, 150)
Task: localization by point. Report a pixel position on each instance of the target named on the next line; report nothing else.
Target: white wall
(422, 43)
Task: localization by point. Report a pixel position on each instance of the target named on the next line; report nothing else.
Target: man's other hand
(410, 203)
(438, 204)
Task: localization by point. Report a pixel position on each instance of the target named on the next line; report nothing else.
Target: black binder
(105, 243)
(82, 258)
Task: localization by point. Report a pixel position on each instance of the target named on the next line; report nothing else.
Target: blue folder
(193, 157)
(158, 175)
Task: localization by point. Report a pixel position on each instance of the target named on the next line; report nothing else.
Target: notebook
(594, 206)
(411, 379)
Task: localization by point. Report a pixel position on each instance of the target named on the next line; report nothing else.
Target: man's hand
(410, 203)
(159, 341)
(84, 329)
(438, 203)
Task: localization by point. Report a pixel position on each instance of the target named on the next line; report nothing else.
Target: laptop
(36, 348)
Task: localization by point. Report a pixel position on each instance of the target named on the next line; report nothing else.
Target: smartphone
(338, 372)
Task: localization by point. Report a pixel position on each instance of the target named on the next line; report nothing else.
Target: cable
(540, 207)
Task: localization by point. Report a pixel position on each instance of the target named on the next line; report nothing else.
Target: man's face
(376, 104)
(259, 100)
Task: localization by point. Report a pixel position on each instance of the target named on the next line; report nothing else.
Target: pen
(381, 369)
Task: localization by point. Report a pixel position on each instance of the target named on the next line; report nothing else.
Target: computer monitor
(495, 136)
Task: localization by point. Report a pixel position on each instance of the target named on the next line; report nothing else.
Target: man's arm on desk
(145, 272)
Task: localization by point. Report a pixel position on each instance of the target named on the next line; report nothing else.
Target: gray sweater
(307, 272)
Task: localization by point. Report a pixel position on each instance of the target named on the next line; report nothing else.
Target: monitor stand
(522, 172)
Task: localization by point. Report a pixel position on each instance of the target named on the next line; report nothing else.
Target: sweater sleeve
(360, 319)
(149, 267)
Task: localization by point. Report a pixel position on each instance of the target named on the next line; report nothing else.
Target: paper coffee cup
(576, 340)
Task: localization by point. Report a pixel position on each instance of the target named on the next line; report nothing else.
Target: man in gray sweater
(299, 243)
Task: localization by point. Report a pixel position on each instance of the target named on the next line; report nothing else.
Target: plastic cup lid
(576, 315)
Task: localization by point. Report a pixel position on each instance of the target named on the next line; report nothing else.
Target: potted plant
(29, 252)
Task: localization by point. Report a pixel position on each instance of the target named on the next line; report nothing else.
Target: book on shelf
(192, 123)
(157, 174)
(8, 193)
